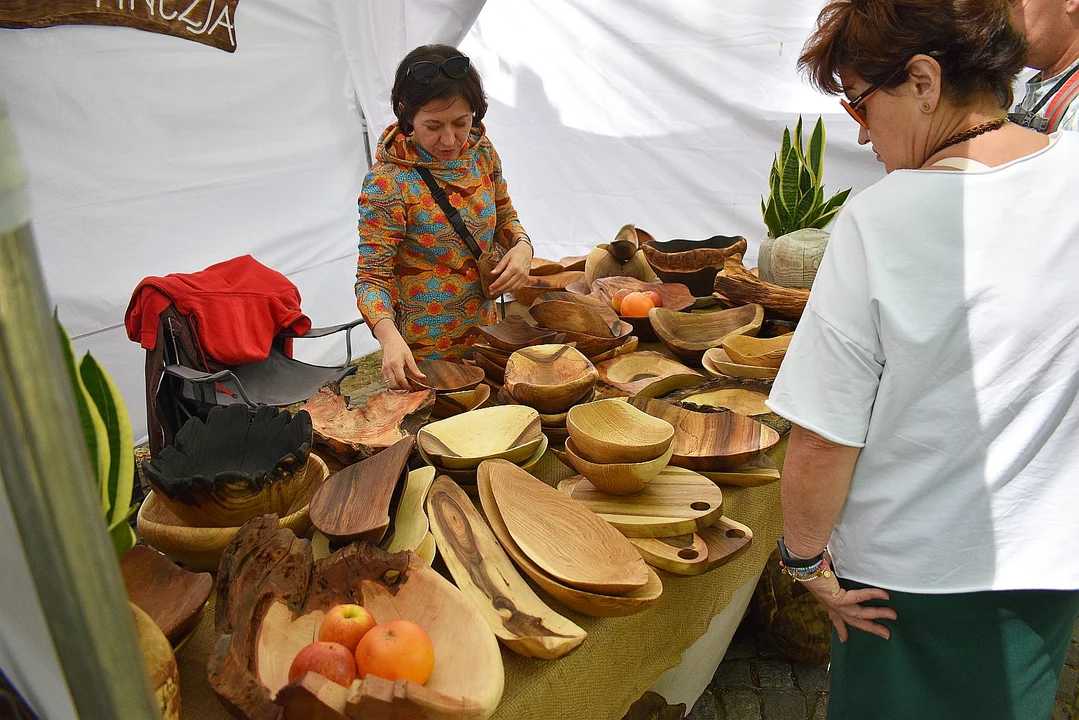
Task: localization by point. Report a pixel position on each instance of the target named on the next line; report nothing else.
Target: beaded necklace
(969, 133)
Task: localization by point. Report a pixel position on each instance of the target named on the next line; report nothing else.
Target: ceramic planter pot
(792, 260)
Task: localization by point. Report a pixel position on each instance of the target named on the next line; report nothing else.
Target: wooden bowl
(630, 345)
(710, 441)
(455, 403)
(234, 466)
(613, 431)
(602, 263)
(647, 372)
(272, 598)
(738, 285)
(445, 376)
(549, 378)
(514, 333)
(546, 419)
(462, 442)
(567, 312)
(200, 548)
(491, 368)
(618, 478)
(536, 286)
(718, 364)
(689, 335)
(694, 263)
(761, 352)
(385, 418)
(675, 296)
(592, 345)
(496, 355)
(171, 596)
(468, 477)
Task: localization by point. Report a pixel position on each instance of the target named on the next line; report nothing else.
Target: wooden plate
(353, 434)
(726, 540)
(486, 576)
(565, 312)
(565, 540)
(613, 431)
(549, 378)
(171, 596)
(455, 403)
(444, 376)
(462, 442)
(711, 441)
(617, 478)
(762, 352)
(676, 502)
(679, 554)
(717, 363)
(514, 333)
(647, 372)
(758, 471)
(586, 603)
(740, 400)
(689, 335)
(410, 524)
(354, 503)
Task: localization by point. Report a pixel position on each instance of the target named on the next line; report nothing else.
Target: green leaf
(805, 206)
(110, 405)
(798, 140)
(815, 151)
(786, 146)
(93, 427)
(788, 190)
(829, 210)
(771, 219)
(123, 538)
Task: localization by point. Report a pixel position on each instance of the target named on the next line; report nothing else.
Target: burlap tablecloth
(621, 658)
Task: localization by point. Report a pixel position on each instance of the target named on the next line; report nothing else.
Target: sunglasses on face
(854, 107)
(424, 72)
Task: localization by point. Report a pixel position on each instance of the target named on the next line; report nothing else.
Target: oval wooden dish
(271, 601)
(673, 296)
(514, 333)
(718, 364)
(617, 478)
(693, 263)
(566, 312)
(234, 466)
(710, 441)
(200, 548)
(468, 477)
(444, 376)
(549, 378)
(689, 335)
(455, 403)
(762, 352)
(462, 442)
(647, 372)
(613, 431)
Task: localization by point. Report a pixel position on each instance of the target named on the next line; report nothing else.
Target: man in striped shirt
(1052, 30)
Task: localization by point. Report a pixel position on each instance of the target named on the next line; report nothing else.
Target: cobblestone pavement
(755, 683)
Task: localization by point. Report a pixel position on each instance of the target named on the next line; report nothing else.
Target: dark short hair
(408, 95)
(979, 51)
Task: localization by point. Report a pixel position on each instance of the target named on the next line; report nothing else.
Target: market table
(621, 658)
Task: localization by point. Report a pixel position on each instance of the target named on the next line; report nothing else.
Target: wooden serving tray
(680, 554)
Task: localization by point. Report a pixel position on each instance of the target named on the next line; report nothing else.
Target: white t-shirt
(942, 334)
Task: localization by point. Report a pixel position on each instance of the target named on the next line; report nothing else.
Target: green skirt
(984, 655)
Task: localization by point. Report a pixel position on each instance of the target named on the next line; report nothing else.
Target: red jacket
(239, 305)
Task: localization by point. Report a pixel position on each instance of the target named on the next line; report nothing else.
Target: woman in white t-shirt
(933, 378)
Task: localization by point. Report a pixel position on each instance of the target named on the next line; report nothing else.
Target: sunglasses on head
(424, 71)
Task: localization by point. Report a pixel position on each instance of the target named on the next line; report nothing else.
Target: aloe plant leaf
(786, 146)
(93, 427)
(830, 209)
(788, 189)
(110, 405)
(771, 219)
(123, 537)
(815, 151)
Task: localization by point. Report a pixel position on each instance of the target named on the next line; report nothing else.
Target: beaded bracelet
(808, 574)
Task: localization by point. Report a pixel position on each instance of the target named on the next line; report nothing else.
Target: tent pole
(45, 469)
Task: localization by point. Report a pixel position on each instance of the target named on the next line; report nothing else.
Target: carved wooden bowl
(613, 431)
(536, 286)
(462, 442)
(719, 364)
(352, 434)
(694, 263)
(569, 312)
(710, 441)
(497, 356)
(271, 601)
(762, 352)
(674, 296)
(618, 478)
(200, 548)
(514, 333)
(467, 478)
(455, 403)
(234, 466)
(445, 376)
(549, 378)
(647, 372)
(592, 346)
(689, 335)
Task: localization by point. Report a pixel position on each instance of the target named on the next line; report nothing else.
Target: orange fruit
(395, 650)
(616, 301)
(656, 299)
(637, 305)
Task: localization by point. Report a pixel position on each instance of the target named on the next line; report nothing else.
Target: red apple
(656, 299)
(346, 624)
(331, 660)
(616, 301)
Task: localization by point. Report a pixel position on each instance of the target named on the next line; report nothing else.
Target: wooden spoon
(567, 541)
(485, 575)
(354, 503)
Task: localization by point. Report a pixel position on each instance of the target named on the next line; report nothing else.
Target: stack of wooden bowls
(458, 387)
(502, 340)
(220, 473)
(591, 325)
(552, 379)
(457, 445)
(748, 357)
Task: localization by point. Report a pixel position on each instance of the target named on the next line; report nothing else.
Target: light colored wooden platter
(739, 400)
(549, 378)
(678, 554)
(676, 502)
(567, 541)
(354, 503)
(467, 478)
(738, 285)
(514, 333)
(758, 471)
(718, 364)
(484, 573)
(613, 431)
(689, 335)
(584, 602)
(647, 372)
(444, 376)
(726, 540)
(566, 312)
(615, 478)
(711, 441)
(762, 352)
(171, 596)
(455, 403)
(384, 419)
(410, 523)
(463, 441)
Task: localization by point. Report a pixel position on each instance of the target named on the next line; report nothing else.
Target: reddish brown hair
(979, 51)
(409, 95)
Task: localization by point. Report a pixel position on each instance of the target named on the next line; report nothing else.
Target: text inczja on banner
(210, 22)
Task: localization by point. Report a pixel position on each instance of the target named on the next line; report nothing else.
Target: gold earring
(925, 107)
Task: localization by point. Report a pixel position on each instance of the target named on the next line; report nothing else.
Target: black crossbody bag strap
(1029, 118)
(452, 215)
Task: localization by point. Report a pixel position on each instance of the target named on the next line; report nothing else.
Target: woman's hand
(844, 606)
(511, 273)
(397, 359)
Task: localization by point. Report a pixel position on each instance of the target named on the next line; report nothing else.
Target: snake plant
(109, 439)
(796, 198)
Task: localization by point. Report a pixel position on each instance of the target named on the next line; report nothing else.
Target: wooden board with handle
(761, 470)
(680, 554)
(726, 540)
